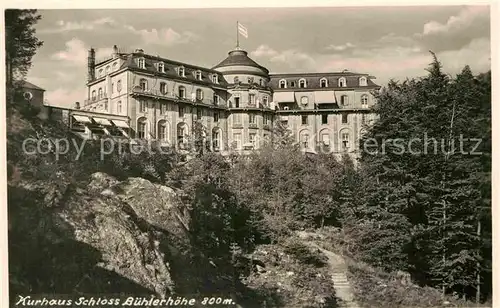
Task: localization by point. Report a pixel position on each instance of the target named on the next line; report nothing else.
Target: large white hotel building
(236, 102)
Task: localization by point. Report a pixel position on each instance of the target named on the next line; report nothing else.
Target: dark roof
(239, 57)
(170, 68)
(29, 85)
(313, 80)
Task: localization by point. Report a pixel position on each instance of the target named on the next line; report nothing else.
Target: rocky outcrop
(124, 230)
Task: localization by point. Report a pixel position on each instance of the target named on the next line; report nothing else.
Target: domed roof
(239, 57)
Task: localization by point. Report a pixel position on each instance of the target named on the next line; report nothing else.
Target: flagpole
(237, 36)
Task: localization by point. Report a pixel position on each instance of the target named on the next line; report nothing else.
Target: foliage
(21, 45)
(427, 211)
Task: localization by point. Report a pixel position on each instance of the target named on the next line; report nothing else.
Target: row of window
(105, 71)
(251, 99)
(181, 71)
(344, 100)
(181, 91)
(250, 80)
(323, 83)
(305, 140)
(163, 130)
(100, 94)
(252, 139)
(251, 118)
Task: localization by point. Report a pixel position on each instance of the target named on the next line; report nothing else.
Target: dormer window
(198, 75)
(182, 71)
(161, 67)
(100, 72)
(141, 63)
(108, 68)
(302, 83)
(236, 79)
(342, 82)
(250, 80)
(363, 81)
(215, 78)
(282, 84)
(292, 84)
(323, 83)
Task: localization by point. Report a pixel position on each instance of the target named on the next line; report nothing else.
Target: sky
(386, 42)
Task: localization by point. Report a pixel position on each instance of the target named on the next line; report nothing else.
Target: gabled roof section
(239, 57)
(28, 85)
(171, 67)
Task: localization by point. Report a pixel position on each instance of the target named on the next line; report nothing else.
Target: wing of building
(234, 104)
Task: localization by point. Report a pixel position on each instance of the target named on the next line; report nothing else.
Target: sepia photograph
(295, 157)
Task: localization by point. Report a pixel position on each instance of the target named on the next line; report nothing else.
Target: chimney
(91, 65)
(77, 105)
(115, 52)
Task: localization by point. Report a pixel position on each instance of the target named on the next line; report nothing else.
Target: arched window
(119, 85)
(304, 140)
(344, 99)
(141, 63)
(119, 107)
(182, 134)
(344, 137)
(302, 83)
(182, 92)
(216, 139)
(236, 79)
(163, 130)
(199, 94)
(93, 95)
(141, 128)
(362, 81)
(115, 66)
(364, 101)
(106, 105)
(182, 71)
(342, 82)
(161, 67)
(265, 100)
(282, 84)
(198, 75)
(99, 93)
(163, 87)
(100, 72)
(108, 68)
(143, 84)
(304, 100)
(323, 83)
(325, 138)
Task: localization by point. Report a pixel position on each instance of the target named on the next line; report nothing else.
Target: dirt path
(338, 271)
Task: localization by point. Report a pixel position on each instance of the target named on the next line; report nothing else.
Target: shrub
(305, 254)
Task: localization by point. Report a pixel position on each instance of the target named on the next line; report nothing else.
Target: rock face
(122, 233)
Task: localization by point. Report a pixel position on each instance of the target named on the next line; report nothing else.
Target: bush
(304, 254)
